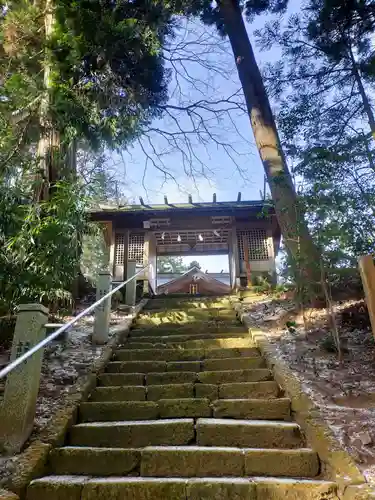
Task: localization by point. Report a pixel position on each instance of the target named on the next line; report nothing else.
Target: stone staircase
(185, 410)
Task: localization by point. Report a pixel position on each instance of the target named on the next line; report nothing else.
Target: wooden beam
(214, 198)
(190, 199)
(367, 270)
(141, 201)
(166, 201)
(239, 196)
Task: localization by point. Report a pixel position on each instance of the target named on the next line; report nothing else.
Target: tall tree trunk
(49, 146)
(305, 255)
(365, 101)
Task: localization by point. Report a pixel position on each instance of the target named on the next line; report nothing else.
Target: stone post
(22, 385)
(130, 287)
(367, 270)
(103, 311)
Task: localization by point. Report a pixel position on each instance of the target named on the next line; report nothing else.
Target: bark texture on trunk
(365, 101)
(293, 226)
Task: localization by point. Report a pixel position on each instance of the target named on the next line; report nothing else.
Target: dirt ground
(344, 391)
(64, 362)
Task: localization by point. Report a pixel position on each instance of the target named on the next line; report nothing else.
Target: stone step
(221, 364)
(144, 410)
(141, 488)
(243, 390)
(143, 393)
(228, 376)
(133, 434)
(232, 364)
(195, 330)
(257, 409)
(182, 377)
(118, 379)
(152, 392)
(183, 354)
(201, 461)
(184, 461)
(197, 312)
(186, 317)
(247, 433)
(177, 338)
(202, 343)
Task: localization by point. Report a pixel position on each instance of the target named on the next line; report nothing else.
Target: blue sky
(222, 159)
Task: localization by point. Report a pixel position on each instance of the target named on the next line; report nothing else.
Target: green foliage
(40, 246)
(169, 264)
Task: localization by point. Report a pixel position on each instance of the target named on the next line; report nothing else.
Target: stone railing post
(130, 287)
(17, 411)
(103, 311)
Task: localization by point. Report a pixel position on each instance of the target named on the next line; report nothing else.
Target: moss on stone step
(169, 391)
(133, 434)
(112, 379)
(253, 390)
(184, 407)
(261, 409)
(174, 337)
(289, 463)
(135, 489)
(171, 378)
(284, 489)
(247, 433)
(193, 329)
(56, 488)
(112, 411)
(229, 376)
(140, 488)
(125, 393)
(192, 461)
(221, 489)
(94, 461)
(136, 366)
(232, 364)
(210, 391)
(184, 366)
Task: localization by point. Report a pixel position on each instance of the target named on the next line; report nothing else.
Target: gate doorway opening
(187, 274)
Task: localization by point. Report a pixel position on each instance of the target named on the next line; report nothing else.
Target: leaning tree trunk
(301, 248)
(361, 89)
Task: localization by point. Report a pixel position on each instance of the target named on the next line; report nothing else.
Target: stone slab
(170, 391)
(210, 391)
(184, 366)
(188, 408)
(232, 364)
(228, 376)
(261, 409)
(243, 390)
(129, 393)
(221, 489)
(171, 378)
(112, 379)
(94, 461)
(290, 463)
(118, 410)
(247, 433)
(192, 461)
(134, 488)
(133, 434)
(136, 366)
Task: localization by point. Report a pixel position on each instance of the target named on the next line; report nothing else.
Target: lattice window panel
(136, 247)
(257, 244)
(119, 249)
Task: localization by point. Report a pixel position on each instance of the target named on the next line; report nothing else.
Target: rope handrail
(14, 364)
